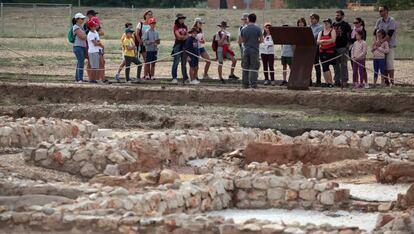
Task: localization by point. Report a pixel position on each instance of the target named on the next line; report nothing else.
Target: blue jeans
(177, 58)
(379, 67)
(80, 53)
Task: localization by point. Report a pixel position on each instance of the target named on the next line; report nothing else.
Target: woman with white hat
(79, 45)
(198, 24)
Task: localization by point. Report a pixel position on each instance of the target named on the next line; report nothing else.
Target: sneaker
(366, 86)
(266, 82)
(79, 81)
(273, 83)
(207, 77)
(233, 77)
(93, 81)
(147, 78)
(222, 81)
(330, 86)
(105, 81)
(128, 81)
(117, 77)
(254, 86)
(195, 82)
(174, 81)
(284, 83)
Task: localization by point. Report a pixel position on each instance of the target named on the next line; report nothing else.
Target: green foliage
(397, 4)
(304, 4)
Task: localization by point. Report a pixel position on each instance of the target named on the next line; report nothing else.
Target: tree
(397, 4)
(223, 4)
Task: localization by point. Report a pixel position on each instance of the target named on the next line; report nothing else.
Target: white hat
(199, 20)
(79, 16)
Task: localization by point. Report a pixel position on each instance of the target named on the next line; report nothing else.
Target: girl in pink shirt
(379, 53)
(358, 54)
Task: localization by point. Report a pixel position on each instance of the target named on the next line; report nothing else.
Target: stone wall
(25, 132)
(88, 157)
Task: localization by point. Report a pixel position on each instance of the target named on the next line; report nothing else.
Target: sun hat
(245, 16)
(180, 16)
(223, 24)
(152, 21)
(129, 30)
(79, 16)
(267, 24)
(199, 20)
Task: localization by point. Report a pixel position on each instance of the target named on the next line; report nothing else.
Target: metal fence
(25, 19)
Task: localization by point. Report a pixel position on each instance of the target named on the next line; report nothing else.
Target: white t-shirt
(267, 46)
(93, 36)
(201, 41)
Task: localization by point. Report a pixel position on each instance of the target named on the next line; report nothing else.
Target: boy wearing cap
(192, 53)
(95, 50)
(223, 51)
(122, 65)
(130, 54)
(151, 40)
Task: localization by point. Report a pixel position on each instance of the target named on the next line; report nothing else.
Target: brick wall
(256, 4)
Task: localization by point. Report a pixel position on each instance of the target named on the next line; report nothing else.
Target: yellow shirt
(125, 44)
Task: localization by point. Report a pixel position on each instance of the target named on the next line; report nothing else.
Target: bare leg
(146, 66)
(328, 77)
(220, 71)
(391, 76)
(233, 65)
(284, 72)
(121, 66)
(207, 66)
(152, 70)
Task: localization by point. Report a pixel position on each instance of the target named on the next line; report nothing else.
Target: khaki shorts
(390, 59)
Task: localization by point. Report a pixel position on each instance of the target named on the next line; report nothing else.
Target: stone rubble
(27, 132)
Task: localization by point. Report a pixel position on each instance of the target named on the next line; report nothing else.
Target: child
(223, 51)
(359, 54)
(95, 50)
(379, 53)
(267, 52)
(151, 40)
(122, 65)
(191, 46)
(130, 54)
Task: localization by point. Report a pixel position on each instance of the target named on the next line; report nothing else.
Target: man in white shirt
(244, 19)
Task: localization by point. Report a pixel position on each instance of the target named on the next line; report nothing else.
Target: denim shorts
(193, 61)
(151, 56)
(201, 50)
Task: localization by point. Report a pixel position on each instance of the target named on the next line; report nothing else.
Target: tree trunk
(223, 4)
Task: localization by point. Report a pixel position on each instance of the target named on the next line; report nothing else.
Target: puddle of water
(365, 221)
(198, 162)
(376, 192)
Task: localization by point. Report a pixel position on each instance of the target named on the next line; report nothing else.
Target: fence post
(34, 19)
(70, 13)
(2, 19)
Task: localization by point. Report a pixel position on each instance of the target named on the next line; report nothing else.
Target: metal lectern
(304, 56)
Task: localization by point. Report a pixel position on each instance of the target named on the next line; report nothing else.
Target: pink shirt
(359, 50)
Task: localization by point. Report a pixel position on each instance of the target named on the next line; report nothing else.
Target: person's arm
(97, 43)
(100, 31)
(384, 48)
(348, 34)
(318, 40)
(81, 34)
(157, 38)
(145, 39)
(179, 36)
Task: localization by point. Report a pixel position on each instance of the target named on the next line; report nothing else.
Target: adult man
(251, 37)
(316, 28)
(91, 14)
(388, 24)
(244, 24)
(343, 35)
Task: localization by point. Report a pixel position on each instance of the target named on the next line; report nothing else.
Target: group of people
(336, 41)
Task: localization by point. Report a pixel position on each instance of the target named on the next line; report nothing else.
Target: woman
(79, 45)
(142, 27)
(301, 22)
(180, 31)
(267, 53)
(198, 24)
(326, 40)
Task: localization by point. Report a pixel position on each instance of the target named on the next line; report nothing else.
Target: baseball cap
(96, 20)
(328, 20)
(92, 24)
(245, 16)
(92, 12)
(79, 16)
(129, 30)
(180, 16)
(152, 21)
(199, 20)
